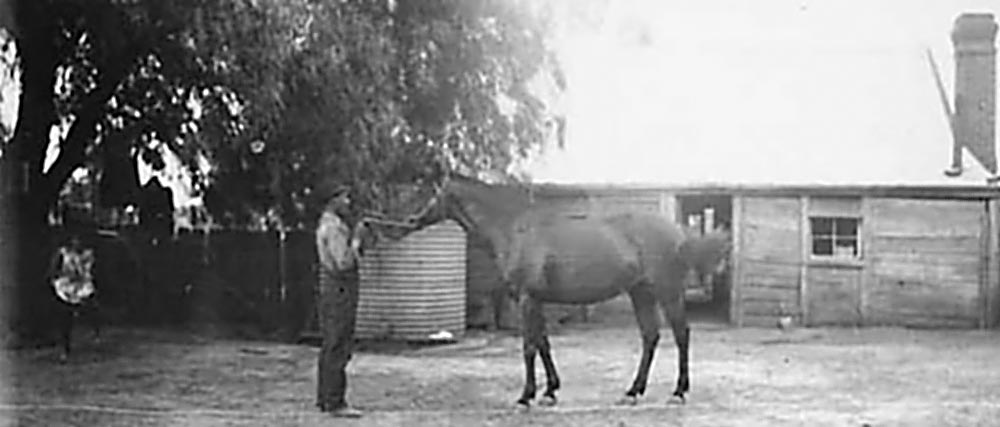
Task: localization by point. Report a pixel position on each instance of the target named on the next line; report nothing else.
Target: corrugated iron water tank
(413, 289)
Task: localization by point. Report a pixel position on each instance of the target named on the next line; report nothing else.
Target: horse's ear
(439, 190)
(433, 202)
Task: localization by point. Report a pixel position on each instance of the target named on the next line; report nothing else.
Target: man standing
(337, 251)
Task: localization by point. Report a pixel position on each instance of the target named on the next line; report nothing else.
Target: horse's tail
(688, 254)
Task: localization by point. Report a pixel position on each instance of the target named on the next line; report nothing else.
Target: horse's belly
(587, 282)
(581, 262)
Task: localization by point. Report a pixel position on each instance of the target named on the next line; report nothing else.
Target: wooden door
(769, 255)
(926, 262)
(834, 295)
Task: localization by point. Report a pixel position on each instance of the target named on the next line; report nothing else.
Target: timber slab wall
(921, 263)
(926, 256)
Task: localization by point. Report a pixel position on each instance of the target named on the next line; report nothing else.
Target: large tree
(380, 91)
(282, 97)
(353, 92)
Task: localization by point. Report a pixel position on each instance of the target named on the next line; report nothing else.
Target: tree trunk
(25, 197)
(28, 192)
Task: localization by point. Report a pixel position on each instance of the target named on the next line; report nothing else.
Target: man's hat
(331, 191)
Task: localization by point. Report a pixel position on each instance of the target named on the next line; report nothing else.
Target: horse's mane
(468, 179)
(512, 189)
(499, 194)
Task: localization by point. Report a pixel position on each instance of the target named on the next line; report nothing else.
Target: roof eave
(778, 190)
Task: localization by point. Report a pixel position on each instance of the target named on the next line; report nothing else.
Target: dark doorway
(700, 214)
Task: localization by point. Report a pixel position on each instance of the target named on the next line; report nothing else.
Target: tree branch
(72, 152)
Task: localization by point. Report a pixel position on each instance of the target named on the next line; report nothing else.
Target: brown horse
(550, 257)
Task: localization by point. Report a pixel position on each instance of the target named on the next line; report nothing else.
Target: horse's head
(445, 204)
(474, 204)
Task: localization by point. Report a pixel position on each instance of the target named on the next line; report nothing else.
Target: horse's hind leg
(644, 306)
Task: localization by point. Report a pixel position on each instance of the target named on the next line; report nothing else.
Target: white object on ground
(442, 336)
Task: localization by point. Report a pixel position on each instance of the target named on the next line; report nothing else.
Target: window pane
(835, 236)
(822, 226)
(846, 247)
(822, 246)
(846, 226)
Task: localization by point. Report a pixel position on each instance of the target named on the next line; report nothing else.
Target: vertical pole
(668, 206)
(736, 275)
(804, 254)
(991, 276)
(281, 308)
(205, 244)
(282, 268)
(867, 242)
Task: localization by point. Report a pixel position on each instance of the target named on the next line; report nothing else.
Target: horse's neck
(495, 227)
(494, 213)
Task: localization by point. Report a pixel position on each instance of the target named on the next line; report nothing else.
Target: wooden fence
(259, 282)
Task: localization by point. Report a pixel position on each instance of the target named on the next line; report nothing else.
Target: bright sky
(776, 91)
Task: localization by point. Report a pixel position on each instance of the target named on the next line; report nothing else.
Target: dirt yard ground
(740, 377)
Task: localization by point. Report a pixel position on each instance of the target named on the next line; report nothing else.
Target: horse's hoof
(548, 401)
(677, 399)
(522, 407)
(628, 400)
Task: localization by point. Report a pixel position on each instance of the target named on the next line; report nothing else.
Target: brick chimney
(974, 122)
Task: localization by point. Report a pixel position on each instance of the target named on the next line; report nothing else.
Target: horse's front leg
(536, 342)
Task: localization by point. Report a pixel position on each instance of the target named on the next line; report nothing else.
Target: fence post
(281, 311)
(282, 266)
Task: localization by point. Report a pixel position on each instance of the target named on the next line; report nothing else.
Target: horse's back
(583, 260)
(654, 235)
(658, 242)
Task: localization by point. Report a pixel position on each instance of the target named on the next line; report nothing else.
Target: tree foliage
(284, 98)
(376, 92)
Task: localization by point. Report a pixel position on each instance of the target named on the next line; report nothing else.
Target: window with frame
(835, 237)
